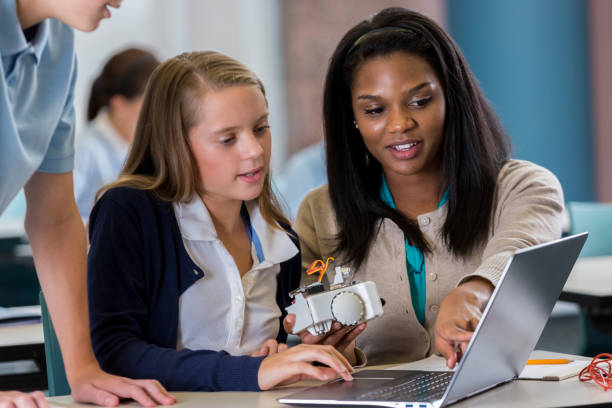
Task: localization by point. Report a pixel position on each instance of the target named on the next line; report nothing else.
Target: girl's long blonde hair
(160, 158)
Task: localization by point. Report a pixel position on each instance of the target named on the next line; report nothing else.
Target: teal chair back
(596, 218)
(56, 373)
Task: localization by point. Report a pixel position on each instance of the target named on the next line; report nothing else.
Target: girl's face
(399, 106)
(231, 143)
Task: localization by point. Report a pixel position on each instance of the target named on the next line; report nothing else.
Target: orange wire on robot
(319, 266)
(599, 370)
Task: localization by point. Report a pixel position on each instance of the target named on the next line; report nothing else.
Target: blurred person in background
(304, 171)
(112, 113)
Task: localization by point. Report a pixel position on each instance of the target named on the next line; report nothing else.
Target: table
(590, 286)
(523, 393)
(590, 282)
(20, 343)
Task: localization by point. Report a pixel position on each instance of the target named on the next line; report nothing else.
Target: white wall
(247, 30)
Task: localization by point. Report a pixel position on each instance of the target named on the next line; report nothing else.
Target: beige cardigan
(527, 210)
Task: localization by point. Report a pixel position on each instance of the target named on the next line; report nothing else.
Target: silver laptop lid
(515, 316)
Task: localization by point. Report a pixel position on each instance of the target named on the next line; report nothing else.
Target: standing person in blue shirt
(112, 112)
(191, 259)
(37, 76)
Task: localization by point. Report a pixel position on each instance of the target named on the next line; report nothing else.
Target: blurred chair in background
(56, 373)
(584, 329)
(596, 218)
(18, 281)
(565, 330)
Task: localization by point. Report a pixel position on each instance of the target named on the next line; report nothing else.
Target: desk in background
(524, 393)
(590, 283)
(590, 286)
(24, 342)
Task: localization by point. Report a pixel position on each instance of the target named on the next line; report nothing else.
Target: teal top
(415, 262)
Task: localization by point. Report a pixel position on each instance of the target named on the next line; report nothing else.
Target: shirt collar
(12, 40)
(195, 221)
(40, 39)
(387, 198)
(196, 225)
(276, 244)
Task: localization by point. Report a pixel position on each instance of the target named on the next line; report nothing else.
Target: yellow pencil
(549, 361)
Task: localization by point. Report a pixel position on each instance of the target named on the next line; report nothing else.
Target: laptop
(501, 344)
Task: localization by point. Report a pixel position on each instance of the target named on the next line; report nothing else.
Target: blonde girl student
(191, 260)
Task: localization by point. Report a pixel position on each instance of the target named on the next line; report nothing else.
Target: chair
(596, 218)
(56, 373)
(18, 282)
(565, 330)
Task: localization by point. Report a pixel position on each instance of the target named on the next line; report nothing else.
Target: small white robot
(347, 302)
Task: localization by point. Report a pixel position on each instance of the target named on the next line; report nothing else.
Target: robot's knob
(347, 308)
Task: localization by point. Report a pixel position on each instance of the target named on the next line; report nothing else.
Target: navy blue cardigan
(137, 269)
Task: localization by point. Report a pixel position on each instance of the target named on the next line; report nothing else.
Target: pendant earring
(356, 125)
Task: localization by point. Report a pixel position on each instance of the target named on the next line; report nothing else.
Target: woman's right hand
(341, 337)
(294, 364)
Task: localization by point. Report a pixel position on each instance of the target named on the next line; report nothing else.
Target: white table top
(16, 335)
(591, 276)
(523, 393)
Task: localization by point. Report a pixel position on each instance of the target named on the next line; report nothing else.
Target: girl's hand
(459, 315)
(294, 364)
(342, 338)
(270, 346)
(94, 385)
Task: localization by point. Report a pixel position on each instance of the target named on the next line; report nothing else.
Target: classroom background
(542, 64)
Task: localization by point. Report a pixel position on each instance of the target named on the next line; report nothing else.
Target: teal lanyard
(415, 262)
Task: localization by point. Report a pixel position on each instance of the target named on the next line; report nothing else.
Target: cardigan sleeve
(119, 282)
(528, 210)
(305, 225)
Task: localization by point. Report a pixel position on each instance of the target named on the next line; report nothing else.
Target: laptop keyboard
(428, 386)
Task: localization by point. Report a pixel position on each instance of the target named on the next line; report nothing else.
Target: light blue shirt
(100, 154)
(36, 101)
(304, 171)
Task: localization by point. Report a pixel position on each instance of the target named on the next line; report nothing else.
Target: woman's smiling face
(399, 107)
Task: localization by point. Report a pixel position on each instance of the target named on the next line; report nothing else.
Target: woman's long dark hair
(474, 145)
